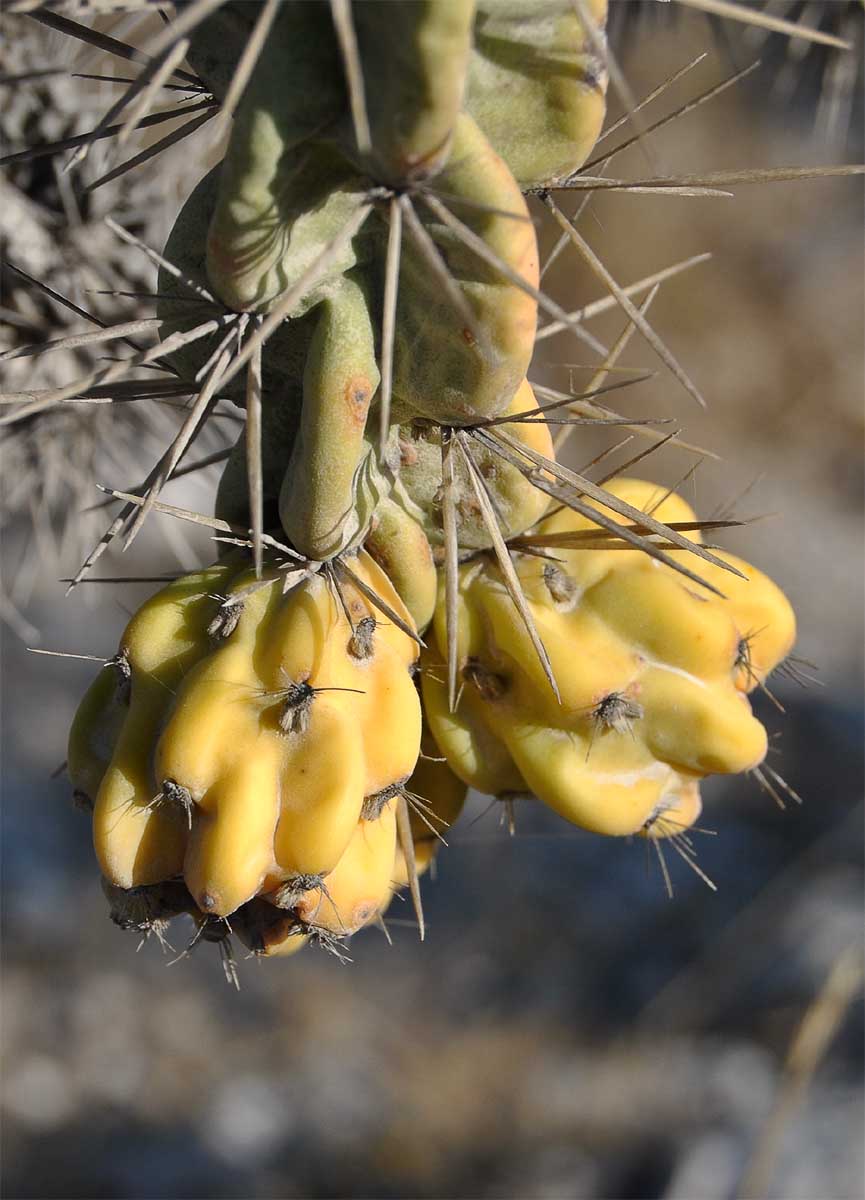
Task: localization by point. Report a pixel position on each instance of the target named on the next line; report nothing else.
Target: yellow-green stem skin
(537, 85)
(414, 61)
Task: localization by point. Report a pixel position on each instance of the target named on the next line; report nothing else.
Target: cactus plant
(360, 274)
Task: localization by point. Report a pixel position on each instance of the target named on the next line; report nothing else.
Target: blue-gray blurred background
(566, 1030)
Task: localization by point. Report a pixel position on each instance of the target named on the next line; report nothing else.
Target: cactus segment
(518, 503)
(333, 476)
(278, 210)
(648, 672)
(444, 369)
(414, 59)
(537, 86)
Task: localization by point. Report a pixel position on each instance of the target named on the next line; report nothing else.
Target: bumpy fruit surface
(254, 724)
(648, 664)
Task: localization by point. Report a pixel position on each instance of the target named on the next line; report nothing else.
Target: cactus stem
(458, 201)
(245, 66)
(314, 273)
(470, 239)
(430, 252)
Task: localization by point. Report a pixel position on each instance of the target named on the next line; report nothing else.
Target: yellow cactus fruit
(96, 727)
(260, 715)
(138, 840)
(360, 884)
(649, 667)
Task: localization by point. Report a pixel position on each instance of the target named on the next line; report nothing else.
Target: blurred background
(567, 1030)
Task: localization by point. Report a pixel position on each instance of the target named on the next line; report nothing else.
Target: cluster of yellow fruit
(251, 753)
(246, 751)
(652, 671)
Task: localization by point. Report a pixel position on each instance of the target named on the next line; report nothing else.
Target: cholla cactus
(360, 274)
